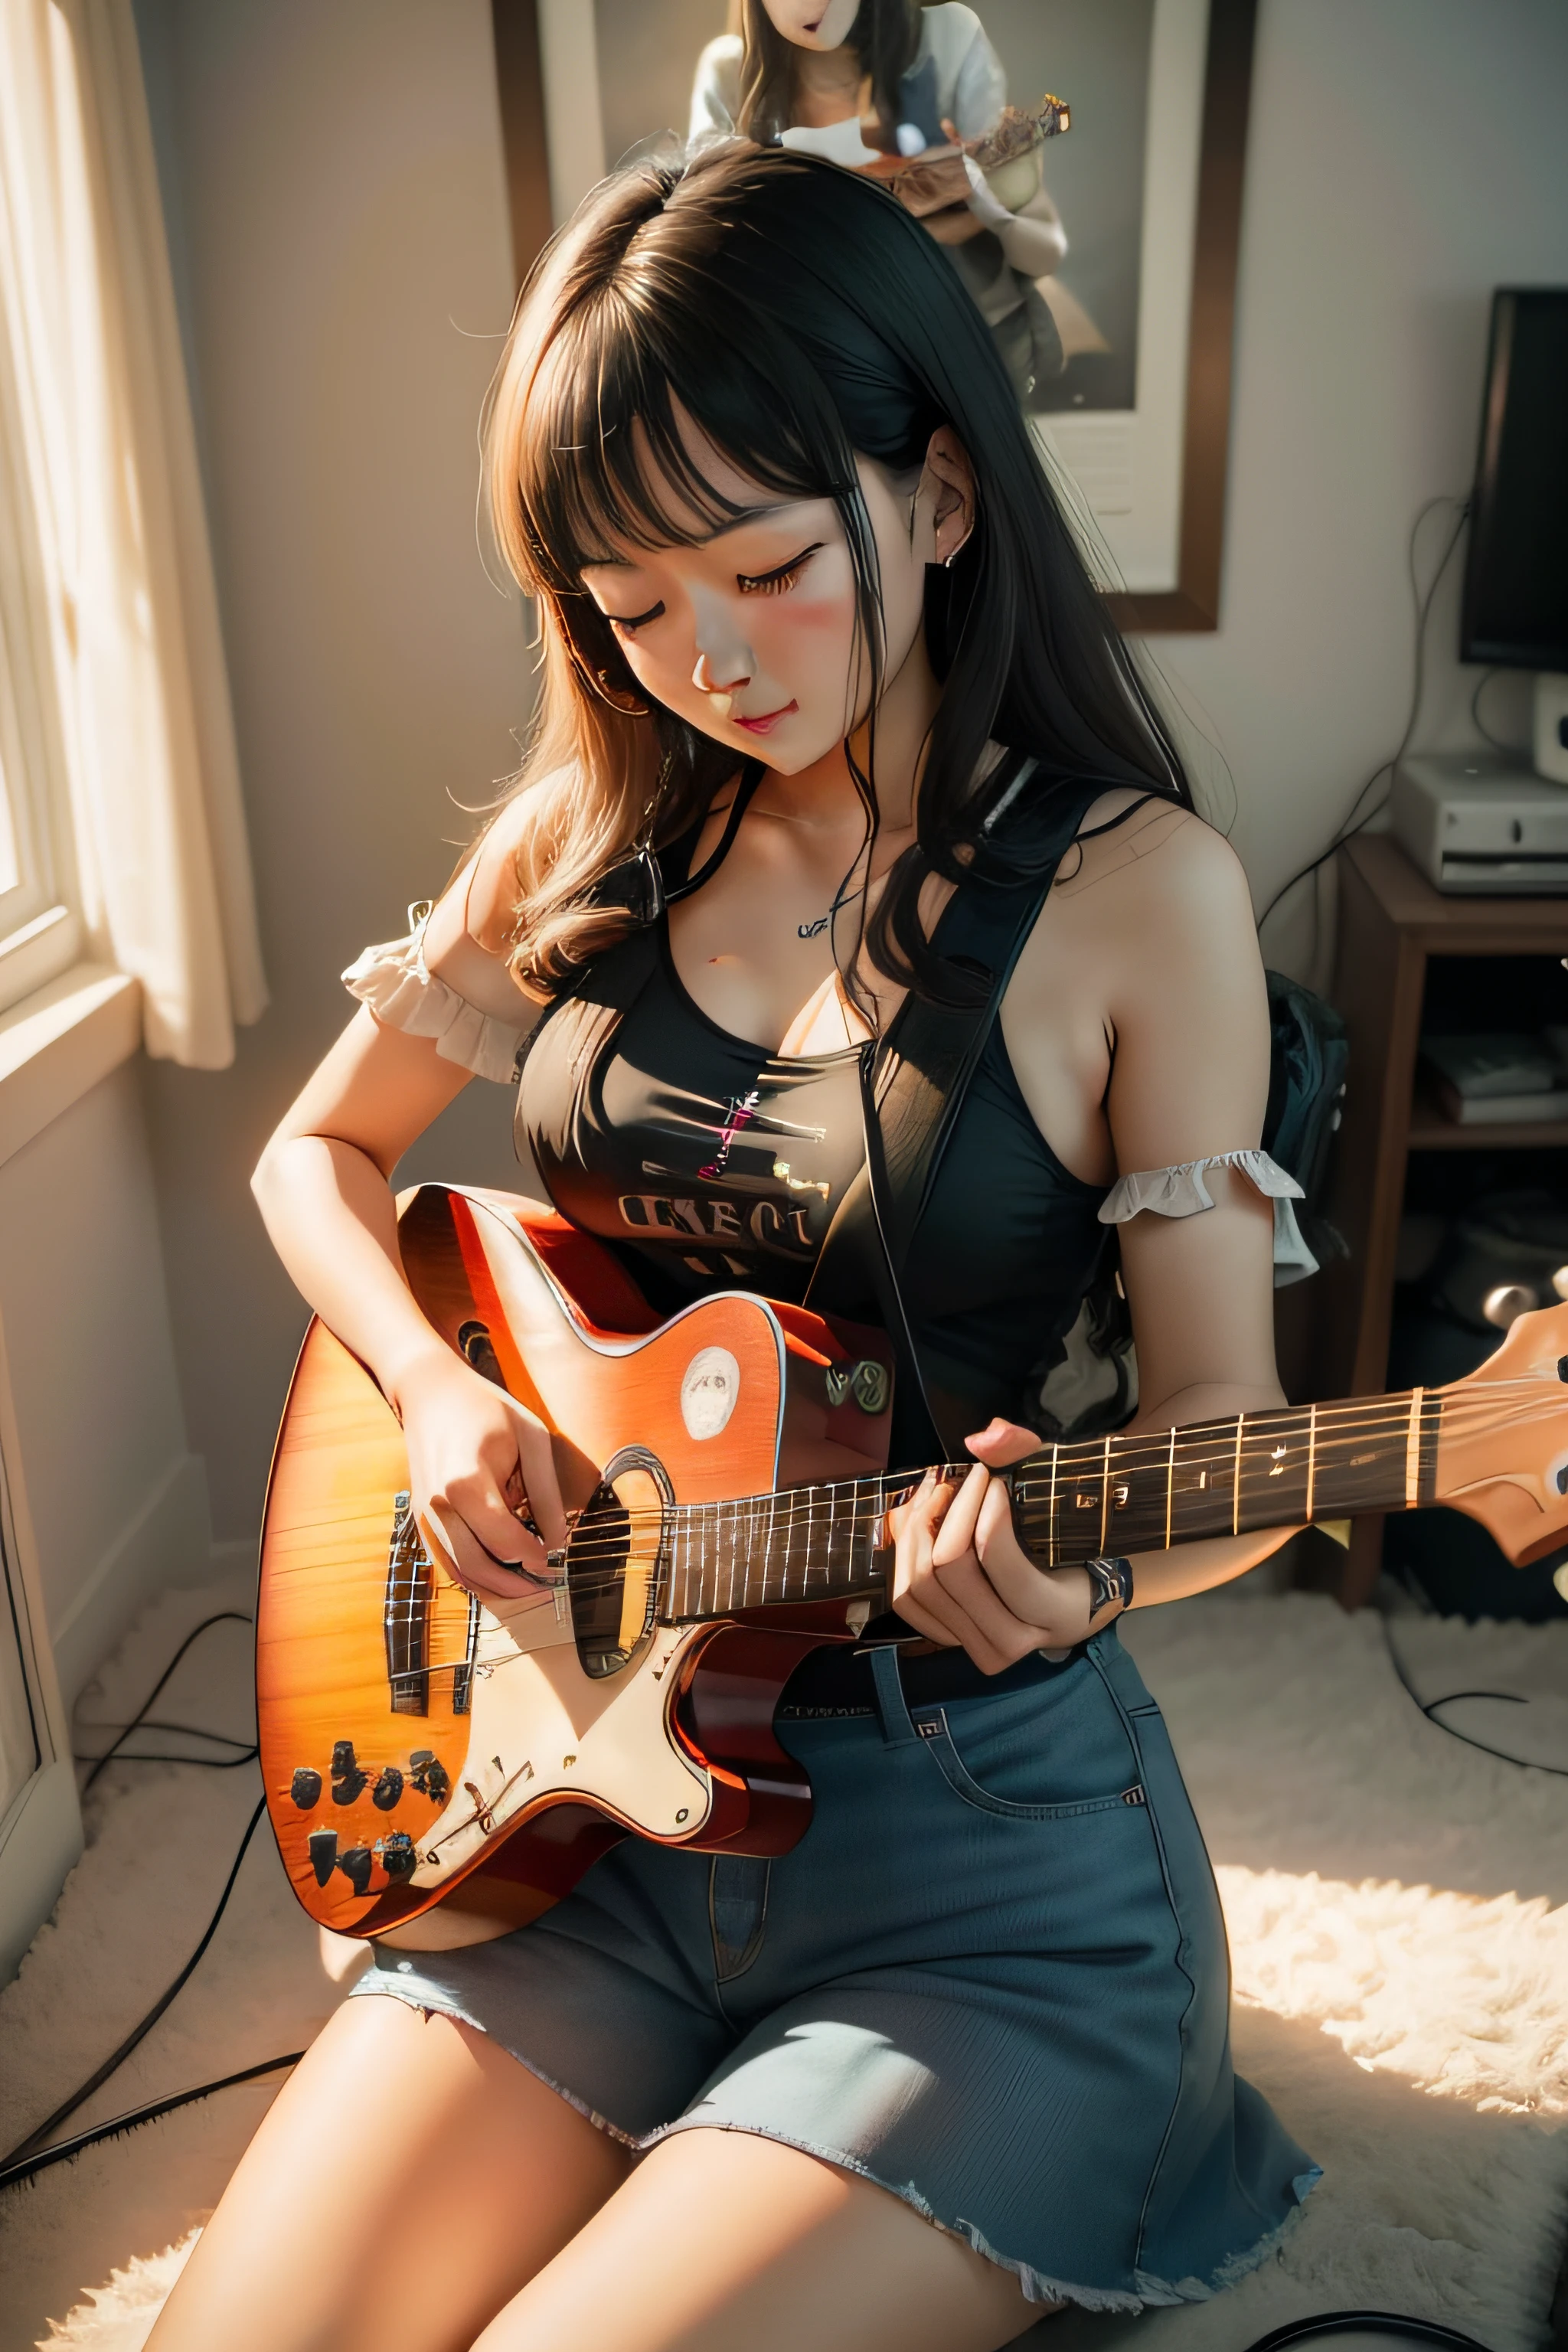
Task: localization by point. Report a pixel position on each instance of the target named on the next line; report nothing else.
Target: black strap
(913, 1085)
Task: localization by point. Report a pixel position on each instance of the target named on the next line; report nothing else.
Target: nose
(727, 673)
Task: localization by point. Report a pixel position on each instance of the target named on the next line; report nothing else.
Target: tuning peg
(1507, 1303)
(1560, 1282)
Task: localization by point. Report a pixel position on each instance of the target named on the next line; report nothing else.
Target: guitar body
(419, 1748)
(724, 1478)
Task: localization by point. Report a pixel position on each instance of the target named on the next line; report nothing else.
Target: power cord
(1428, 1707)
(1354, 820)
(1354, 2322)
(222, 1617)
(17, 2168)
(139, 2030)
(28, 2156)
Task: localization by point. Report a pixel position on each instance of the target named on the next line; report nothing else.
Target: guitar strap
(913, 1083)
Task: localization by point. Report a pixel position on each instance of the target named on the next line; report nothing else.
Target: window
(39, 930)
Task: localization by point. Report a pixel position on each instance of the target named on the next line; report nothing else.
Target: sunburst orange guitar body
(725, 1480)
(522, 1739)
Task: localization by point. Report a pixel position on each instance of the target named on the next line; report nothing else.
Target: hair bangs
(612, 460)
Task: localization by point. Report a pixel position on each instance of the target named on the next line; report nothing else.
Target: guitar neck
(1071, 1502)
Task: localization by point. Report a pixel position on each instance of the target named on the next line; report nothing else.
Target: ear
(948, 482)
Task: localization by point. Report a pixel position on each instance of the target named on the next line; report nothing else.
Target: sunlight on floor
(1466, 1996)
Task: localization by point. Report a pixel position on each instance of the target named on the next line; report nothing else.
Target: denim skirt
(992, 1978)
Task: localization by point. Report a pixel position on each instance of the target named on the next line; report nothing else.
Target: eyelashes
(776, 583)
(783, 576)
(635, 620)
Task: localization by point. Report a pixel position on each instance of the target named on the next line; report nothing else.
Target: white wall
(1405, 157)
(334, 179)
(118, 1501)
(340, 223)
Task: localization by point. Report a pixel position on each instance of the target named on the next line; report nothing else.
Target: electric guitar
(724, 1474)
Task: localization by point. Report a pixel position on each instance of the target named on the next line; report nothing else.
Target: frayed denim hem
(1145, 2293)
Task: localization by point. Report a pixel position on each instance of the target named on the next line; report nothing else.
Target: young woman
(815, 638)
(806, 70)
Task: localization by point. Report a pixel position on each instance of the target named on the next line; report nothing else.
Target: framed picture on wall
(1135, 409)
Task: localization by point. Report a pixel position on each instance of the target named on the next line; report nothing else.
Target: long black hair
(885, 37)
(799, 316)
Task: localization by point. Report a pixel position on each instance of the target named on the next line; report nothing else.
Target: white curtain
(88, 310)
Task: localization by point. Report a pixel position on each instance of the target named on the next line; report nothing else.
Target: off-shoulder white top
(400, 989)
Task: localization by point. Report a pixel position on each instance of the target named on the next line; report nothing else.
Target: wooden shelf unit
(1392, 923)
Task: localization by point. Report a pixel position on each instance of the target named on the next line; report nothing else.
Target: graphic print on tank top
(726, 1161)
(708, 1164)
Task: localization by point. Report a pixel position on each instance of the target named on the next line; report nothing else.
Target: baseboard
(41, 1840)
(168, 1541)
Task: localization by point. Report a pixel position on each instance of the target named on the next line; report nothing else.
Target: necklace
(813, 930)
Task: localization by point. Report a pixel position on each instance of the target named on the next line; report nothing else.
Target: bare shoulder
(470, 935)
(1161, 856)
(1149, 923)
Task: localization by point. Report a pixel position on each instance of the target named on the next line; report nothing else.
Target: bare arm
(478, 1460)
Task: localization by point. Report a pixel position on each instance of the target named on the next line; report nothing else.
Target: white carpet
(1401, 1974)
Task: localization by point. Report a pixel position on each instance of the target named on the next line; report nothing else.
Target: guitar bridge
(405, 1620)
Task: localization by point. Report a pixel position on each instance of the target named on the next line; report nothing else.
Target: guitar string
(1480, 1417)
(1475, 1417)
(1463, 1414)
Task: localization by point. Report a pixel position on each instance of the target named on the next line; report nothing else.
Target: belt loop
(896, 1728)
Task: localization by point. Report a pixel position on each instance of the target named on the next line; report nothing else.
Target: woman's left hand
(962, 1577)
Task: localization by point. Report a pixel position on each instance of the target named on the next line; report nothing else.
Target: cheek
(805, 640)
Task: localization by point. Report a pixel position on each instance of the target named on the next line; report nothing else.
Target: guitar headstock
(1502, 1442)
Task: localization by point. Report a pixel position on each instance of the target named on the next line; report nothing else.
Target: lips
(767, 722)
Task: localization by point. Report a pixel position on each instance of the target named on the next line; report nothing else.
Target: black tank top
(707, 1162)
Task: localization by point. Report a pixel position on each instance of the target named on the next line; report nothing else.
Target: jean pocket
(1013, 1770)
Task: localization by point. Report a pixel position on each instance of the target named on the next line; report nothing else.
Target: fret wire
(1236, 1507)
(1105, 1492)
(1312, 1457)
(1413, 1451)
(1051, 1507)
(1170, 1488)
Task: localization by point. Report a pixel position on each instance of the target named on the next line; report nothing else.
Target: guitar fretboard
(1070, 1503)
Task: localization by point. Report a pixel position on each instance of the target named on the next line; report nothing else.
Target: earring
(949, 560)
(628, 704)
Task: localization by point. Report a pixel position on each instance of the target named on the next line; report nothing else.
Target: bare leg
(407, 2181)
(720, 2240)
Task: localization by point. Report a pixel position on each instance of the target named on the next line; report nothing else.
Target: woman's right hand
(480, 1465)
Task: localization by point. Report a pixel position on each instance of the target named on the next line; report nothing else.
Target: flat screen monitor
(1515, 609)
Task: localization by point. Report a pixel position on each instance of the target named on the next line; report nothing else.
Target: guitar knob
(1507, 1303)
(388, 1790)
(355, 1866)
(324, 1854)
(305, 1788)
(1560, 1282)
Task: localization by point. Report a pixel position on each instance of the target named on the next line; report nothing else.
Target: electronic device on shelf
(1515, 608)
(1479, 822)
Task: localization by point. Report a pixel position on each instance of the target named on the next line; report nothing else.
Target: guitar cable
(1429, 1705)
(28, 2158)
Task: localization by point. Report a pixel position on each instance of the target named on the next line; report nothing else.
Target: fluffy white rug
(1401, 1975)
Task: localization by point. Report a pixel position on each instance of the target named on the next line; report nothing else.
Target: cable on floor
(117, 2057)
(221, 1617)
(1429, 1705)
(20, 2168)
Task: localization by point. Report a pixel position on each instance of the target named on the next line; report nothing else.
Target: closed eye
(783, 576)
(627, 623)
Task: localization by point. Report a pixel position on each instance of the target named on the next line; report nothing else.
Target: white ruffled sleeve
(398, 987)
(1182, 1193)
